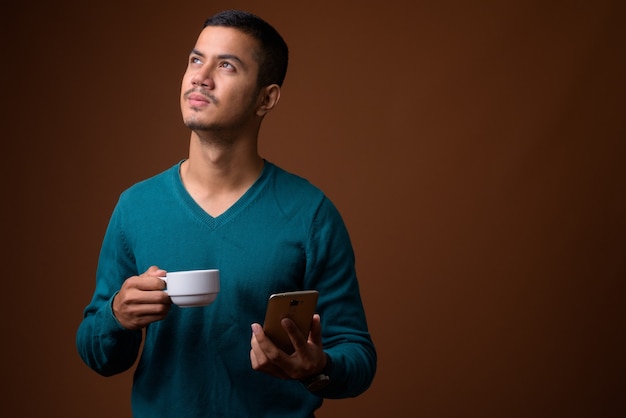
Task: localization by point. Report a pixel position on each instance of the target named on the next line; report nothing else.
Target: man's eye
(227, 65)
(195, 60)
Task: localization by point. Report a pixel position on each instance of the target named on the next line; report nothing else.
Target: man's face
(219, 90)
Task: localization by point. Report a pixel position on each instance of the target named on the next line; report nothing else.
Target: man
(266, 230)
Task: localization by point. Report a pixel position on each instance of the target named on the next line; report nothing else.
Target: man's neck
(218, 173)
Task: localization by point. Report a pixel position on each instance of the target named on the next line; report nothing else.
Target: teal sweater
(282, 235)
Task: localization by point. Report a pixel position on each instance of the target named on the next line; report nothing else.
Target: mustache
(201, 92)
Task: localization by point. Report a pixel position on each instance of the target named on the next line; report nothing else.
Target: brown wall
(476, 153)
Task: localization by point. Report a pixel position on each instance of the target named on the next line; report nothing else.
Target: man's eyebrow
(221, 56)
(196, 52)
(231, 57)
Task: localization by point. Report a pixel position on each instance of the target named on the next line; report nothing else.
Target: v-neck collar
(214, 222)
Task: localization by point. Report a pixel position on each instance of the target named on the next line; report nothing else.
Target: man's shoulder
(296, 194)
(293, 183)
(151, 186)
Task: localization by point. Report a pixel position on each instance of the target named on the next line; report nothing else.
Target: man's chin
(197, 125)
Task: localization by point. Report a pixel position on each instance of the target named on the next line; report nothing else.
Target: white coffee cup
(192, 287)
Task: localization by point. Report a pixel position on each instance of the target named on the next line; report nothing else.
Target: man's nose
(203, 78)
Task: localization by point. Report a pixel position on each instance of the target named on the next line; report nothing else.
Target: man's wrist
(320, 380)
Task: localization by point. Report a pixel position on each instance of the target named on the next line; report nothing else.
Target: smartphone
(299, 306)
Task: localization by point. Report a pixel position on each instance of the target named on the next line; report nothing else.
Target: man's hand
(141, 300)
(307, 360)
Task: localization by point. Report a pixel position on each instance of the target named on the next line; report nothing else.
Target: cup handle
(165, 280)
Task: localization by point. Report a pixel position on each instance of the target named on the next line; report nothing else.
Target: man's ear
(268, 99)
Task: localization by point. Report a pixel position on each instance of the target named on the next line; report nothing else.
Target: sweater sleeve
(345, 336)
(102, 342)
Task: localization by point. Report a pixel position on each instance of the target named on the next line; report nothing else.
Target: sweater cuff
(112, 322)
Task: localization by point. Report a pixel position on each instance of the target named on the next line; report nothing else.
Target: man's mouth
(196, 98)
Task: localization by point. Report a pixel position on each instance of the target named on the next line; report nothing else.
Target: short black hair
(273, 55)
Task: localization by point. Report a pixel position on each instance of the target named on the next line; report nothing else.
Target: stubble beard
(196, 125)
(217, 129)
(190, 121)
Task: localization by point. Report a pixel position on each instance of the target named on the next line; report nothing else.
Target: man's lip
(197, 99)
